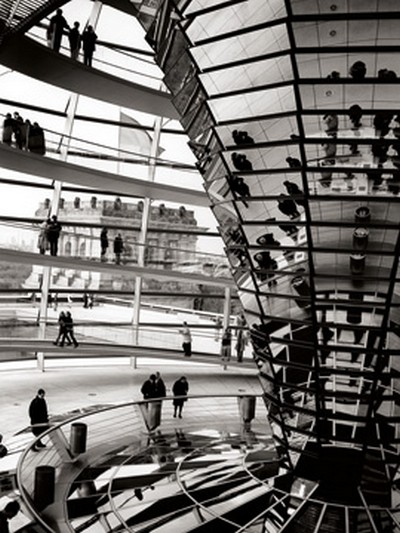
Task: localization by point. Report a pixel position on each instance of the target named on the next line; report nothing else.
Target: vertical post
(143, 236)
(95, 13)
(57, 188)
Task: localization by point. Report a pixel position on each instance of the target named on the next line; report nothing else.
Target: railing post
(44, 486)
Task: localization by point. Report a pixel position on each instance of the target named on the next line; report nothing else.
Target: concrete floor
(72, 385)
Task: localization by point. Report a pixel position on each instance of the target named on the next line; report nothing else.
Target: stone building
(164, 249)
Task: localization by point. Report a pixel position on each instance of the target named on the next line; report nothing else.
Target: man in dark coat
(89, 39)
(10, 510)
(39, 417)
(118, 248)
(179, 388)
(56, 28)
(69, 330)
(75, 39)
(104, 243)
(53, 234)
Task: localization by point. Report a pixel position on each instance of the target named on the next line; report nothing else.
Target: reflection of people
(186, 340)
(180, 388)
(39, 417)
(10, 510)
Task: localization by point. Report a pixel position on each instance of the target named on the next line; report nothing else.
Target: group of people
(66, 330)
(49, 234)
(23, 134)
(154, 388)
(226, 341)
(87, 39)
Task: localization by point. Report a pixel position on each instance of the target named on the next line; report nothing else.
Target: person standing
(36, 141)
(53, 234)
(226, 346)
(75, 39)
(160, 386)
(186, 340)
(10, 510)
(39, 417)
(118, 248)
(149, 388)
(69, 330)
(89, 39)
(42, 238)
(180, 388)
(104, 243)
(7, 129)
(240, 345)
(56, 29)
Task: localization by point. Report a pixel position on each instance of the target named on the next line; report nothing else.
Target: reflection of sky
(16, 201)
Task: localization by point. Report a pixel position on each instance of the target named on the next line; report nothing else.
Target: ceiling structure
(292, 111)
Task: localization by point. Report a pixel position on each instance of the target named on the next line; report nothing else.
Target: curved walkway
(30, 258)
(46, 167)
(37, 61)
(101, 350)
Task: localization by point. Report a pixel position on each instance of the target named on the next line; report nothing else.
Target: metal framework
(292, 110)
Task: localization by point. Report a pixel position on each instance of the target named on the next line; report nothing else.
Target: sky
(13, 86)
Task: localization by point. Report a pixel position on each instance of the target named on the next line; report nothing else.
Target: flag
(134, 139)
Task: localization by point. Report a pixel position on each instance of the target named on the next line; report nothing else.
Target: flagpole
(143, 235)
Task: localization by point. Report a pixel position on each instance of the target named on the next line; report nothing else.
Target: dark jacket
(38, 411)
(180, 388)
(153, 389)
(118, 245)
(53, 230)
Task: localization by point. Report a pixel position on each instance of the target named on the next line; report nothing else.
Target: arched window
(68, 246)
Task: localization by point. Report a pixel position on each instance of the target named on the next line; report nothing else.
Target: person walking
(10, 510)
(186, 340)
(39, 417)
(56, 29)
(69, 331)
(118, 248)
(53, 234)
(104, 244)
(180, 388)
(62, 330)
(89, 39)
(75, 40)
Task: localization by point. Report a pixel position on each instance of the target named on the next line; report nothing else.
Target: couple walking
(66, 330)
